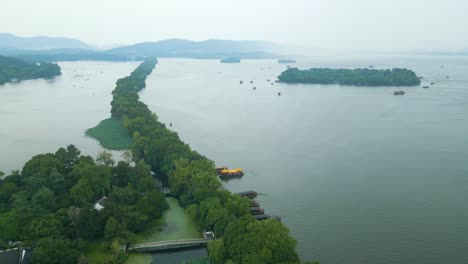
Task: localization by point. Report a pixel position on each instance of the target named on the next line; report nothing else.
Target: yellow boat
(225, 172)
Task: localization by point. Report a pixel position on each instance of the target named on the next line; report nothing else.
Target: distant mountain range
(9, 41)
(47, 49)
(208, 49)
(55, 55)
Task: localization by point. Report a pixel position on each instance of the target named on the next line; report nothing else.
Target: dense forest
(357, 77)
(193, 180)
(12, 69)
(50, 205)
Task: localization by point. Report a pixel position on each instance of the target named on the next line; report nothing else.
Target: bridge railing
(172, 243)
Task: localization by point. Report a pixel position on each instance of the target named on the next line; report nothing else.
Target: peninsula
(192, 179)
(12, 69)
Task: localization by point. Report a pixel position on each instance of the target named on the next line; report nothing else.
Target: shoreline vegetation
(111, 134)
(15, 70)
(51, 207)
(356, 77)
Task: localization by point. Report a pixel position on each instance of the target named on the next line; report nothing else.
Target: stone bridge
(167, 245)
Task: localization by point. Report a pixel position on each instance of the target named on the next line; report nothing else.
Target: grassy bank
(97, 252)
(178, 225)
(111, 134)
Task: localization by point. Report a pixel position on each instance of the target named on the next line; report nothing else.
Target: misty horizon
(309, 26)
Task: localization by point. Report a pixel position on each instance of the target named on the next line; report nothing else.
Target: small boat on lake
(426, 86)
(398, 92)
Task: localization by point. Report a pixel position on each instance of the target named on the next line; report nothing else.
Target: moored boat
(226, 173)
(256, 210)
(249, 194)
(262, 216)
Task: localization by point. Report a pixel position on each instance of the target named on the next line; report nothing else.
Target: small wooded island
(12, 69)
(230, 60)
(286, 61)
(357, 77)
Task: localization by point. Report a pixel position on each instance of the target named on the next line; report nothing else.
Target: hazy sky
(328, 25)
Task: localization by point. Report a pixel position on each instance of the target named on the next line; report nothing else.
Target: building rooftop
(15, 256)
(101, 203)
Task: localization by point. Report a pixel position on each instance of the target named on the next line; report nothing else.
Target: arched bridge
(167, 245)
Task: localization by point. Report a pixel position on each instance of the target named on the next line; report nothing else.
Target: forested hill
(66, 55)
(10, 41)
(12, 69)
(357, 77)
(208, 49)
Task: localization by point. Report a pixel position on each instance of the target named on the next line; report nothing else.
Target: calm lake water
(357, 174)
(39, 116)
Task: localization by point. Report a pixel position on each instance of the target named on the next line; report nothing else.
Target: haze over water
(358, 175)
